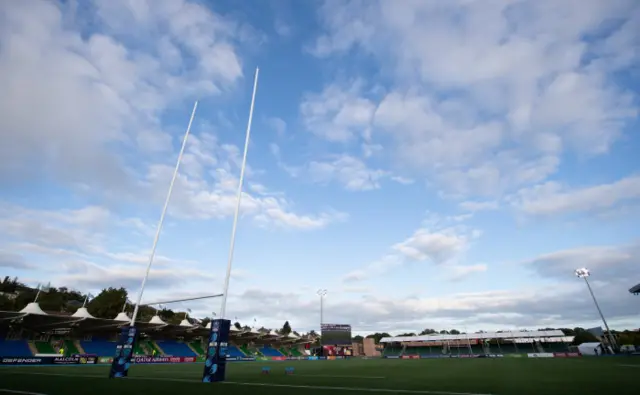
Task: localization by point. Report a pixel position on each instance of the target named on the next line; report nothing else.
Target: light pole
(322, 293)
(584, 274)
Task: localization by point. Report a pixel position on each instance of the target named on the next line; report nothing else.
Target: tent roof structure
(34, 318)
(82, 312)
(33, 308)
(123, 317)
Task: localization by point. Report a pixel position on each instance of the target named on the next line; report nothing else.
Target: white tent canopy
(157, 320)
(82, 312)
(123, 317)
(33, 308)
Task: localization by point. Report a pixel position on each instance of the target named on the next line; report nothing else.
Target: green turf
(579, 376)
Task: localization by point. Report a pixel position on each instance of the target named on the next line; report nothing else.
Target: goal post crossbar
(182, 300)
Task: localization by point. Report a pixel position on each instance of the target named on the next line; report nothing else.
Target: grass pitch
(579, 376)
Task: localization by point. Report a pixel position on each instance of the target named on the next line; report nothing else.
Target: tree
(108, 303)
(286, 329)
(377, 336)
(205, 321)
(6, 303)
(237, 325)
(583, 336)
(454, 332)
(357, 339)
(406, 334)
(428, 331)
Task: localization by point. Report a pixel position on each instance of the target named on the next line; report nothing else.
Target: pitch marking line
(312, 387)
(2, 390)
(356, 389)
(340, 377)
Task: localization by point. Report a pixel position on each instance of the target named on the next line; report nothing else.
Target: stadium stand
(269, 351)
(44, 348)
(197, 347)
(70, 348)
(176, 349)
(16, 348)
(234, 351)
(392, 351)
(101, 348)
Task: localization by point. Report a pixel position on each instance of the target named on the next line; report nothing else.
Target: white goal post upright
(161, 222)
(225, 289)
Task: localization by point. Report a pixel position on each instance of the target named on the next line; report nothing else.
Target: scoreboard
(336, 334)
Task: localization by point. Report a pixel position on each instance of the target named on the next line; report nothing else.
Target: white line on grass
(340, 377)
(20, 392)
(312, 387)
(357, 389)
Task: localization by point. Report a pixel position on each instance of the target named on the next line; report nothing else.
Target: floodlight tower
(322, 293)
(584, 273)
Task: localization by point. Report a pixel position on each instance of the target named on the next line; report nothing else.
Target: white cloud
(437, 242)
(553, 198)
(507, 120)
(97, 90)
(277, 124)
(459, 272)
(438, 247)
(478, 206)
(609, 264)
(350, 172)
(336, 114)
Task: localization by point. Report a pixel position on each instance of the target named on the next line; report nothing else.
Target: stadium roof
(34, 318)
(485, 335)
(635, 290)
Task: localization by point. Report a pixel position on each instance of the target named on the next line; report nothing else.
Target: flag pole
(164, 212)
(225, 291)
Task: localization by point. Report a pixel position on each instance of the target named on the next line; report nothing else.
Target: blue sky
(431, 164)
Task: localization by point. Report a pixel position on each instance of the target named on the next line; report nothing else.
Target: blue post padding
(215, 364)
(124, 352)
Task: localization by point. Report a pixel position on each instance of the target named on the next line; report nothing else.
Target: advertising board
(540, 355)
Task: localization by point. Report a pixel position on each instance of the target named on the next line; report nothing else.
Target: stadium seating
(555, 347)
(70, 348)
(102, 348)
(197, 346)
(15, 348)
(392, 351)
(295, 352)
(151, 346)
(250, 351)
(44, 348)
(268, 351)
(285, 351)
(176, 349)
(508, 348)
(234, 351)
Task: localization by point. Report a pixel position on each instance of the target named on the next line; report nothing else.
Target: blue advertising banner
(124, 352)
(75, 360)
(216, 362)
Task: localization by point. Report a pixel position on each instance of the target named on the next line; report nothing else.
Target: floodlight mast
(234, 227)
(161, 221)
(584, 273)
(322, 293)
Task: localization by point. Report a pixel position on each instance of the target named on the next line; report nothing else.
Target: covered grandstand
(485, 343)
(32, 332)
(635, 290)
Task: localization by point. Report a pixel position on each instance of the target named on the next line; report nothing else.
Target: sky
(430, 164)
